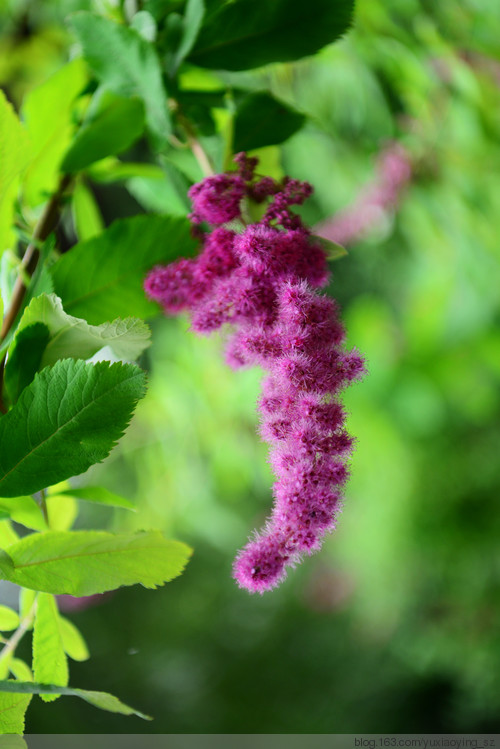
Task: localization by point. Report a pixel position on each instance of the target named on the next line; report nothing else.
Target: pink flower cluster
(261, 279)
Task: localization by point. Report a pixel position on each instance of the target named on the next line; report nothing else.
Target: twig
(24, 626)
(46, 224)
(194, 144)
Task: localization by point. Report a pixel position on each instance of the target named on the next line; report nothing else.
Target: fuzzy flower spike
(262, 280)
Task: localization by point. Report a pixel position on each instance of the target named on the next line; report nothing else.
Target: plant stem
(46, 224)
(194, 144)
(24, 626)
(42, 503)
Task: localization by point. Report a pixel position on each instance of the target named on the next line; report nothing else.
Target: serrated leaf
(13, 708)
(261, 120)
(245, 34)
(73, 337)
(25, 358)
(103, 278)
(81, 563)
(47, 111)
(66, 420)
(14, 156)
(100, 495)
(127, 64)
(9, 619)
(117, 123)
(24, 510)
(103, 700)
(50, 665)
(73, 643)
(86, 214)
(333, 250)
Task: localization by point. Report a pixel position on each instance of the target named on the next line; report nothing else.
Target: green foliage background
(393, 627)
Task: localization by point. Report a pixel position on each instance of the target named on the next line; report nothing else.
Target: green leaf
(81, 563)
(73, 643)
(24, 510)
(100, 495)
(333, 250)
(50, 665)
(144, 23)
(86, 214)
(193, 17)
(8, 535)
(73, 337)
(62, 512)
(9, 619)
(67, 419)
(25, 357)
(12, 709)
(127, 64)
(20, 670)
(246, 34)
(117, 123)
(14, 155)
(26, 602)
(103, 278)
(113, 170)
(156, 196)
(102, 700)
(261, 120)
(47, 111)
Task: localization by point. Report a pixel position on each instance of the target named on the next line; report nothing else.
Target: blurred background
(394, 625)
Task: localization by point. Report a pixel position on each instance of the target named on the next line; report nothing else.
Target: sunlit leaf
(50, 665)
(14, 155)
(102, 700)
(81, 563)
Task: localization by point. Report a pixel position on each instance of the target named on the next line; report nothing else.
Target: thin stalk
(24, 626)
(46, 224)
(194, 144)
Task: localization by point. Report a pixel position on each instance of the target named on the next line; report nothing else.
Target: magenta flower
(263, 282)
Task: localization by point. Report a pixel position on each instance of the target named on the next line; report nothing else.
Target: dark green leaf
(246, 34)
(102, 700)
(261, 120)
(116, 125)
(25, 358)
(127, 64)
(67, 419)
(103, 278)
(82, 563)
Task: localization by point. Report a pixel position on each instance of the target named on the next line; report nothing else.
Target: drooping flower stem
(261, 281)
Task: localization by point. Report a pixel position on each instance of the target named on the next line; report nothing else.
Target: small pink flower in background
(393, 172)
(263, 281)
